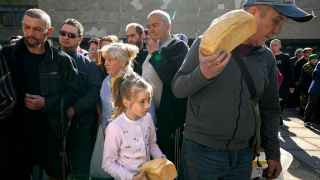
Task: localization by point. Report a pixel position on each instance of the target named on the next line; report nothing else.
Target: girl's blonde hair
(119, 51)
(127, 87)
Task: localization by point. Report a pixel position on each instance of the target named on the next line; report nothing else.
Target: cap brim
(293, 12)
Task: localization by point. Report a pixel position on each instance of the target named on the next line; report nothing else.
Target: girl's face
(138, 105)
(113, 66)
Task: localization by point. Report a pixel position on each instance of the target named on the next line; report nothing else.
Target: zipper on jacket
(238, 116)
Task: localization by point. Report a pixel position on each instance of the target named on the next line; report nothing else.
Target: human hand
(140, 176)
(34, 102)
(274, 169)
(70, 113)
(291, 90)
(211, 66)
(152, 45)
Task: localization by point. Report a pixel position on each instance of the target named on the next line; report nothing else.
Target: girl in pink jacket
(130, 137)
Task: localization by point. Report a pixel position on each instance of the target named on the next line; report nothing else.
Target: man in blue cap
(221, 125)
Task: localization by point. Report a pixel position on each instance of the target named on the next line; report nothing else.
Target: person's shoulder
(265, 51)
(265, 54)
(59, 53)
(285, 56)
(118, 121)
(6, 50)
(115, 123)
(178, 42)
(12, 48)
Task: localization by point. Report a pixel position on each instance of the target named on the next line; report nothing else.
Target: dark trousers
(170, 144)
(80, 144)
(12, 152)
(312, 113)
(204, 163)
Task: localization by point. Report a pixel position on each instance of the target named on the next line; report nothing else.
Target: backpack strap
(254, 102)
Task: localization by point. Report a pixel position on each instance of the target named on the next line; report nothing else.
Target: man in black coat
(82, 115)
(45, 82)
(136, 35)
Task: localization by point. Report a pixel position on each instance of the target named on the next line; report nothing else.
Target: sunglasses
(68, 34)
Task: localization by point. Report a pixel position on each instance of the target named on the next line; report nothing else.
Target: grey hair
(162, 14)
(275, 41)
(39, 14)
(120, 51)
(299, 50)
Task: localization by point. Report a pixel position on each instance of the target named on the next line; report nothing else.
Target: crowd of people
(298, 82)
(102, 112)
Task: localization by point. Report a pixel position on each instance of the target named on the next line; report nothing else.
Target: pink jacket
(127, 145)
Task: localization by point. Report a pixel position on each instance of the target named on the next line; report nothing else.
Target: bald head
(164, 16)
(159, 25)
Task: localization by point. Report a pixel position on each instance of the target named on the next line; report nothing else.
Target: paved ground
(304, 144)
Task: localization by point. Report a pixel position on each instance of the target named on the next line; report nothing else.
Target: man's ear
(81, 38)
(50, 31)
(253, 10)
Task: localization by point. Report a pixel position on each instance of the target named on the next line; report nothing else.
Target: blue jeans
(204, 163)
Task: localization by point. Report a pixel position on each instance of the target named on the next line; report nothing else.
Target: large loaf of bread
(159, 169)
(227, 32)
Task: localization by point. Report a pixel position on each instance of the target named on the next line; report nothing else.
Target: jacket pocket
(50, 83)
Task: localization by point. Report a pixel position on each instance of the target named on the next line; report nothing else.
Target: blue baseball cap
(286, 8)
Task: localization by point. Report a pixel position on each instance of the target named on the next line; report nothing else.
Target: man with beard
(82, 115)
(135, 35)
(45, 81)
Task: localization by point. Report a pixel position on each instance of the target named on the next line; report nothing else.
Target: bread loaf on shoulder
(227, 32)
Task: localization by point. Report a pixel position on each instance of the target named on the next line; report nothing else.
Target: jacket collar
(20, 48)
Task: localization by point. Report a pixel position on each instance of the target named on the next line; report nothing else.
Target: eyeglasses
(68, 34)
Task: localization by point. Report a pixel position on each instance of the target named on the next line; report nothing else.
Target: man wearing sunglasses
(82, 114)
(45, 82)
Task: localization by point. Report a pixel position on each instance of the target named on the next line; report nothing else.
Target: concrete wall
(101, 17)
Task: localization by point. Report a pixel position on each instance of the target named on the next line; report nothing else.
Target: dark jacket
(283, 63)
(219, 114)
(138, 61)
(58, 84)
(171, 112)
(88, 91)
(315, 84)
(306, 77)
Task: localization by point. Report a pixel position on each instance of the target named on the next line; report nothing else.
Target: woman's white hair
(120, 51)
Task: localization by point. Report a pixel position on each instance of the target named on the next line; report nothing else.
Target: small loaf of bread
(159, 169)
(227, 32)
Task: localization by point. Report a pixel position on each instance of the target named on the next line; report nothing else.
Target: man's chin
(32, 44)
